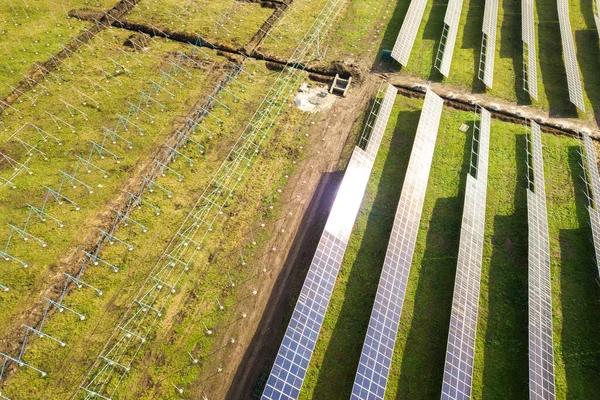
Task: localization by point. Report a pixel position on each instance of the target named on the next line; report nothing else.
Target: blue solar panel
(376, 357)
(590, 161)
(460, 350)
(293, 358)
(408, 32)
(541, 347)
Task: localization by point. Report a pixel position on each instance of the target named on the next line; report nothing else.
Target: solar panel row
(597, 16)
(460, 350)
(569, 56)
(295, 352)
(488, 44)
(408, 32)
(529, 52)
(376, 357)
(541, 349)
(592, 168)
(381, 122)
(448, 40)
(595, 223)
(594, 180)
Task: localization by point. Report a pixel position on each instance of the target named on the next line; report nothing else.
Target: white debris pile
(313, 99)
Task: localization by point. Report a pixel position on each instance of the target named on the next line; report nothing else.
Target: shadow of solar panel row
(591, 167)
(408, 32)
(376, 356)
(487, 55)
(569, 55)
(541, 349)
(448, 39)
(460, 351)
(295, 352)
(529, 52)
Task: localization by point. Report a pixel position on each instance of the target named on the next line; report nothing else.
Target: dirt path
(501, 109)
(315, 185)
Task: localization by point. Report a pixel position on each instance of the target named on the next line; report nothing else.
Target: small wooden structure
(340, 85)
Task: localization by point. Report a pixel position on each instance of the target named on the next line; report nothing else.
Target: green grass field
(284, 37)
(501, 356)
(85, 339)
(227, 21)
(123, 88)
(30, 32)
(362, 31)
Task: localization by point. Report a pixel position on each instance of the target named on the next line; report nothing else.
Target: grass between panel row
(501, 352)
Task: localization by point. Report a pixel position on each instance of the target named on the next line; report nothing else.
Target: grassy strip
(501, 353)
(354, 33)
(286, 32)
(575, 292)
(33, 32)
(234, 22)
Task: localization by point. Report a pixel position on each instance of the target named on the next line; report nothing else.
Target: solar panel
(597, 16)
(448, 40)
(408, 32)
(541, 349)
(460, 350)
(488, 43)
(595, 223)
(373, 369)
(569, 56)
(381, 122)
(592, 167)
(295, 352)
(529, 52)
(594, 187)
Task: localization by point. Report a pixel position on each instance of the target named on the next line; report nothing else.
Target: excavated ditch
(274, 62)
(264, 30)
(323, 73)
(460, 104)
(266, 3)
